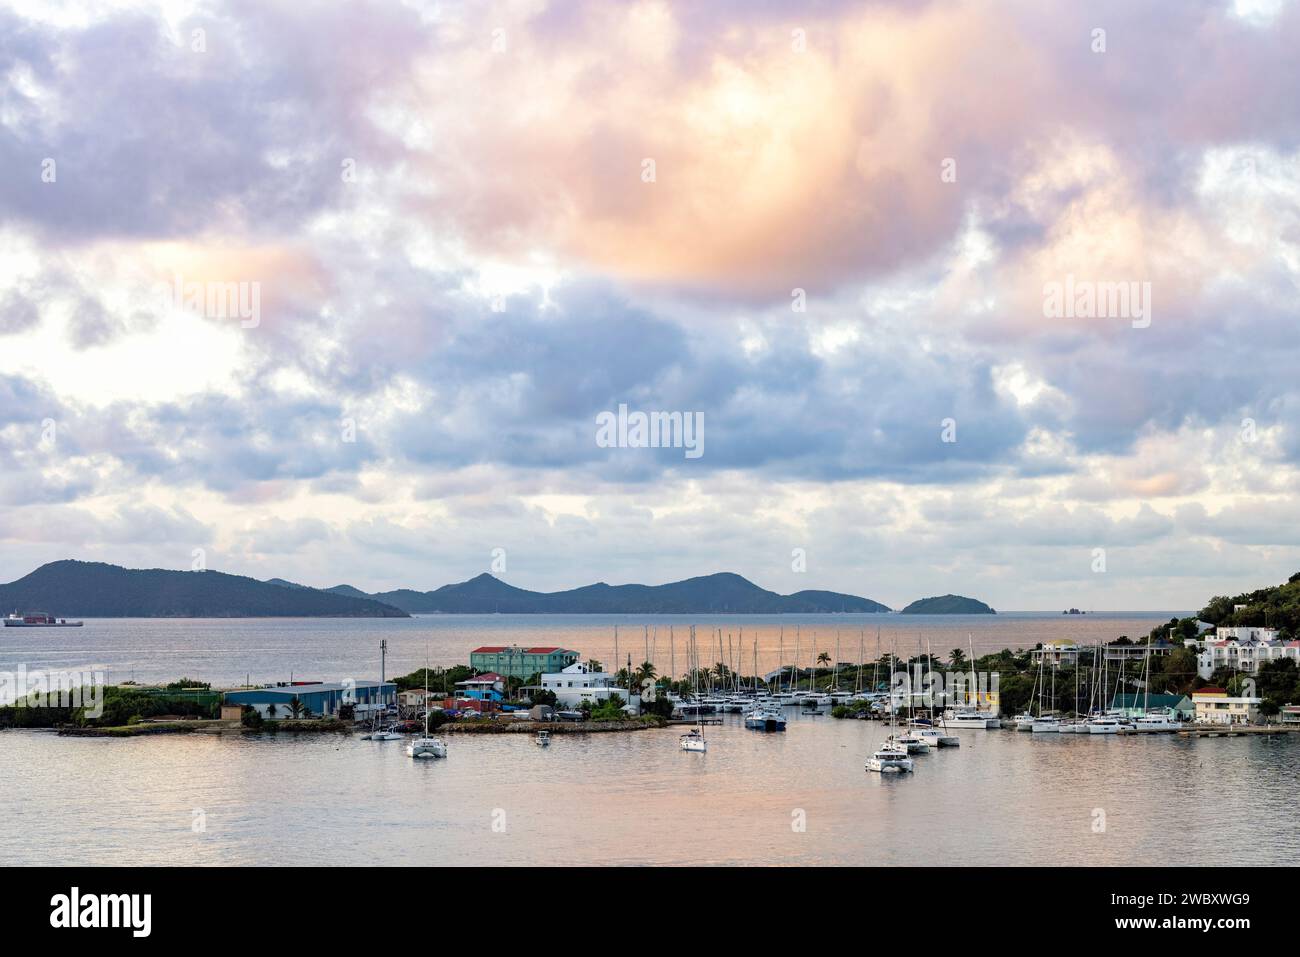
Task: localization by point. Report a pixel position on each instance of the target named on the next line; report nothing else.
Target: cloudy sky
(826, 228)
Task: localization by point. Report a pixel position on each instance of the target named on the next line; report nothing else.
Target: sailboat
(1161, 719)
(765, 715)
(909, 739)
(694, 739)
(425, 746)
(1047, 722)
(891, 757)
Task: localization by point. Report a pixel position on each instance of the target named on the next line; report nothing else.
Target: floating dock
(1236, 730)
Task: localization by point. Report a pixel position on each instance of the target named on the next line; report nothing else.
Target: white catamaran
(425, 746)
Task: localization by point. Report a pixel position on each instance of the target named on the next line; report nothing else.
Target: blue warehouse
(318, 698)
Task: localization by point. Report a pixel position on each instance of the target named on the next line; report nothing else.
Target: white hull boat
(937, 739)
(913, 743)
(890, 760)
(427, 748)
(694, 741)
(965, 720)
(765, 719)
(1157, 722)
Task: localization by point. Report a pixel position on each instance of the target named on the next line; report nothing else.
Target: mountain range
(97, 590)
(723, 593)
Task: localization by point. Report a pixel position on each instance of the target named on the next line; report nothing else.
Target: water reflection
(1001, 798)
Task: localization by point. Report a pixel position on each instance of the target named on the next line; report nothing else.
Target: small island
(948, 605)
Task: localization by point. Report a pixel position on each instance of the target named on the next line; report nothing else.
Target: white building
(1244, 655)
(577, 683)
(1061, 651)
(1245, 633)
(1214, 706)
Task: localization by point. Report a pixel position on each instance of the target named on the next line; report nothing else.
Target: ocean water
(801, 797)
(226, 651)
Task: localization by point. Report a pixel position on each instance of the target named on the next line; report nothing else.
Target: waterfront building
(513, 661)
(578, 683)
(487, 687)
(1290, 714)
(1216, 706)
(416, 698)
(318, 699)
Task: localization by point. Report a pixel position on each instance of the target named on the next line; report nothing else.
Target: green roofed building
(1135, 705)
(515, 662)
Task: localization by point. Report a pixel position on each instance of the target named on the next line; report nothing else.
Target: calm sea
(801, 797)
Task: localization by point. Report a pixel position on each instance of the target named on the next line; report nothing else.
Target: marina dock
(1236, 730)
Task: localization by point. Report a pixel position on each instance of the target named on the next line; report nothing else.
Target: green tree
(958, 658)
(296, 707)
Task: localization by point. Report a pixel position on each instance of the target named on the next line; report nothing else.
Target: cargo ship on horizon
(38, 621)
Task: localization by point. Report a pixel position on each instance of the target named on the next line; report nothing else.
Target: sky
(339, 293)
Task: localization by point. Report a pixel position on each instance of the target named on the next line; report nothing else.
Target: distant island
(722, 594)
(1074, 611)
(948, 605)
(99, 590)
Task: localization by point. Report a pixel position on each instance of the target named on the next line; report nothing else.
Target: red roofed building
(1216, 706)
(485, 687)
(512, 661)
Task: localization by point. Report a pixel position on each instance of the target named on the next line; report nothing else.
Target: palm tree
(296, 707)
(270, 710)
(646, 672)
(822, 659)
(957, 657)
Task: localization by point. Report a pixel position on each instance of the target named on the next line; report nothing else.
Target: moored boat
(765, 719)
(425, 746)
(889, 758)
(964, 719)
(937, 739)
